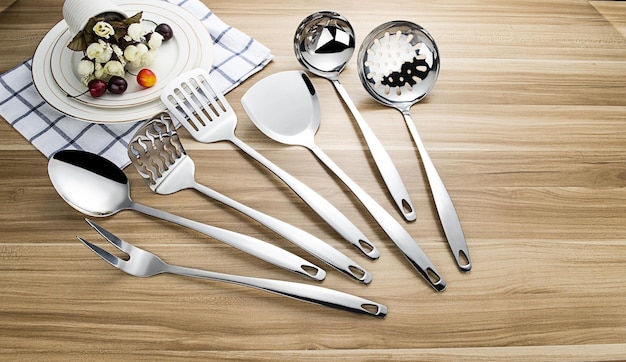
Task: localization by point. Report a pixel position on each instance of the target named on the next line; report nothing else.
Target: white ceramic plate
(55, 77)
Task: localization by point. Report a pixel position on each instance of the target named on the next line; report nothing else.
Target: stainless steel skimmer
(159, 157)
(398, 64)
(142, 263)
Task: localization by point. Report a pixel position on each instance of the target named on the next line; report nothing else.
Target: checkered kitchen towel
(236, 57)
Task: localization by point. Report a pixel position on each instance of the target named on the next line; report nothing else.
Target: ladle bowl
(324, 43)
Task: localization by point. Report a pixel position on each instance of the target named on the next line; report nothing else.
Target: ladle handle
(260, 249)
(304, 292)
(392, 228)
(320, 205)
(301, 238)
(443, 203)
(383, 161)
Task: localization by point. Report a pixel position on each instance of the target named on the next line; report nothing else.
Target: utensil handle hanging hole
(367, 247)
(312, 271)
(357, 272)
(432, 276)
(371, 309)
(406, 206)
(464, 262)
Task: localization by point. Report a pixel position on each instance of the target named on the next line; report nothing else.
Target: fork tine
(110, 258)
(119, 243)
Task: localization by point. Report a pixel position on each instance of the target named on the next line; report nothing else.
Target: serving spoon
(285, 107)
(398, 64)
(323, 44)
(96, 187)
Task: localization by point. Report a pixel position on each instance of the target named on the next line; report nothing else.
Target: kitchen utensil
(324, 43)
(142, 263)
(398, 65)
(159, 157)
(193, 100)
(96, 187)
(285, 107)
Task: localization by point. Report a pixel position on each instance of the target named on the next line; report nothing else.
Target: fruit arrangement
(113, 46)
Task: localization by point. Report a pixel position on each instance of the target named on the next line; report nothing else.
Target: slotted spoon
(159, 157)
(398, 64)
(193, 100)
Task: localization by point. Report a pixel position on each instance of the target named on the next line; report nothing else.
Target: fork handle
(303, 239)
(259, 248)
(320, 205)
(308, 293)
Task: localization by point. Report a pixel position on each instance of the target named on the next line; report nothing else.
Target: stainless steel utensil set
(398, 64)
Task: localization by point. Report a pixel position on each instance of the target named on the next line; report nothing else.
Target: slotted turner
(159, 157)
(193, 100)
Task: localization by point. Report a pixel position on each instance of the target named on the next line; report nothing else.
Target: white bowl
(77, 12)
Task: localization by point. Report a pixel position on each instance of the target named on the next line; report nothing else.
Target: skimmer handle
(443, 203)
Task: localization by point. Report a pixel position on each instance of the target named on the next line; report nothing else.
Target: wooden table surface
(526, 125)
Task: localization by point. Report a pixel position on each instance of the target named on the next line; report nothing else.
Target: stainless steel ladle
(398, 64)
(324, 43)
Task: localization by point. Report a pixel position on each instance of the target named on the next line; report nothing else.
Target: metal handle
(308, 293)
(383, 161)
(303, 239)
(260, 249)
(320, 205)
(396, 232)
(443, 203)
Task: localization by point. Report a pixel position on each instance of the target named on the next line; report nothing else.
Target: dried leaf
(78, 43)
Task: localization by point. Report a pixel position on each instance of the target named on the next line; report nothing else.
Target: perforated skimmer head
(398, 63)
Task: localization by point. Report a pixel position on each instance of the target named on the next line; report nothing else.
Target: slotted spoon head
(193, 100)
(398, 63)
(156, 152)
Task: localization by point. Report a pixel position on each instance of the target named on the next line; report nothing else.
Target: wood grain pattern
(526, 125)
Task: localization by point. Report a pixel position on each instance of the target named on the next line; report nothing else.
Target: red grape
(97, 87)
(164, 30)
(117, 85)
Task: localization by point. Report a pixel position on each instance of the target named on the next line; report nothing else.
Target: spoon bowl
(106, 192)
(323, 44)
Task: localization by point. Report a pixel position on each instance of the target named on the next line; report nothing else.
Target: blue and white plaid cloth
(236, 57)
